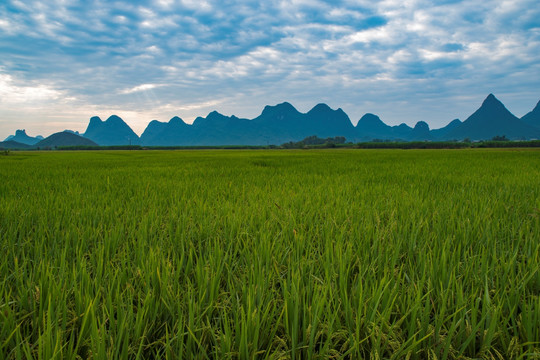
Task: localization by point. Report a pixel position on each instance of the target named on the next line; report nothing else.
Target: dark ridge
(64, 139)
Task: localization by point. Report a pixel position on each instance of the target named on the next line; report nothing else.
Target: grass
(375, 254)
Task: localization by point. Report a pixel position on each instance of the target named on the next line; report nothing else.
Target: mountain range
(64, 138)
(22, 138)
(283, 123)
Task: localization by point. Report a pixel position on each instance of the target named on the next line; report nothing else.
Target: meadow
(261, 254)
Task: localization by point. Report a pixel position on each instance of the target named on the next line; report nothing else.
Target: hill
(371, 127)
(533, 117)
(165, 134)
(113, 131)
(64, 139)
(275, 125)
(490, 120)
(10, 144)
(283, 123)
(442, 133)
(22, 138)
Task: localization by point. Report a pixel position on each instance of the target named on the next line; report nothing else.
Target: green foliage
(412, 145)
(508, 144)
(315, 142)
(111, 147)
(420, 254)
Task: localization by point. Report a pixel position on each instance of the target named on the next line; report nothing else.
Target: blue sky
(63, 61)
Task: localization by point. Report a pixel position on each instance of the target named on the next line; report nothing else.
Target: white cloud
(197, 5)
(138, 88)
(120, 19)
(13, 93)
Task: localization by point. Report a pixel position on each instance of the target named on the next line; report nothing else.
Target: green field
(419, 254)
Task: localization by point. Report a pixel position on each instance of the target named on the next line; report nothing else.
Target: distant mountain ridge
(64, 138)
(493, 119)
(533, 118)
(113, 131)
(22, 138)
(283, 123)
(10, 144)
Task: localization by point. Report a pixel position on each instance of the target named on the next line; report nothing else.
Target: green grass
(394, 254)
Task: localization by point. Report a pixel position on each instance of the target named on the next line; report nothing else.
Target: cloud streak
(404, 60)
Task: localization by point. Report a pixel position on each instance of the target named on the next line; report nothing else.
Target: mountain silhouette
(218, 129)
(280, 123)
(283, 123)
(442, 133)
(64, 138)
(490, 120)
(175, 132)
(22, 138)
(371, 127)
(420, 132)
(401, 132)
(10, 144)
(276, 124)
(326, 123)
(113, 131)
(533, 118)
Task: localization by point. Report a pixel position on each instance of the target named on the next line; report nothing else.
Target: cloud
(13, 93)
(137, 88)
(405, 60)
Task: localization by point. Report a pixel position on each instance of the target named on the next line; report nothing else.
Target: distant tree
(500, 138)
(315, 141)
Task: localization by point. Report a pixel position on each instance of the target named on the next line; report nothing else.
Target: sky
(64, 61)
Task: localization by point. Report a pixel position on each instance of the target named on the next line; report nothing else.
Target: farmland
(270, 254)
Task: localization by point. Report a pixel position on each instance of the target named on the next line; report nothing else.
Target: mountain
(490, 120)
(64, 139)
(325, 122)
(371, 127)
(420, 132)
(443, 132)
(10, 144)
(113, 131)
(280, 123)
(401, 132)
(21, 137)
(283, 123)
(275, 125)
(175, 132)
(218, 129)
(71, 131)
(533, 118)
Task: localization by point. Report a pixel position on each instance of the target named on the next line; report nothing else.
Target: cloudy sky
(63, 61)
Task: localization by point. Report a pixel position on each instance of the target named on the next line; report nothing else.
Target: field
(356, 254)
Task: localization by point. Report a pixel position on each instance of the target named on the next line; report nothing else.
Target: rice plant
(353, 254)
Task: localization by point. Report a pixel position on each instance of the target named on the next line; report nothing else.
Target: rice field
(342, 254)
